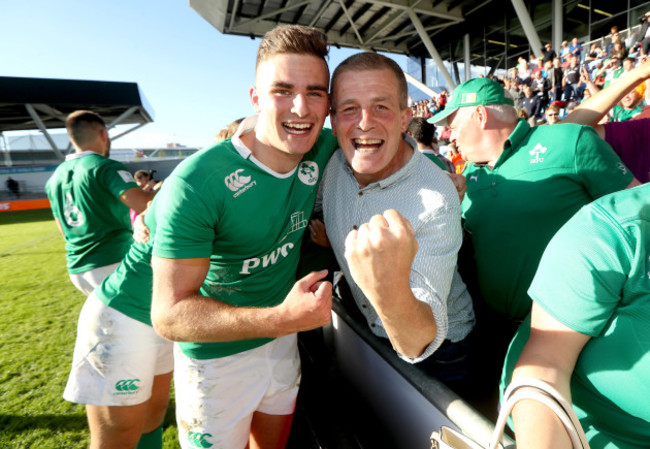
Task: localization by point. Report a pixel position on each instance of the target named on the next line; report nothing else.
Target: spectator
(400, 257)
(532, 104)
(629, 107)
(548, 53)
(540, 87)
(12, 187)
(424, 133)
(523, 184)
(613, 38)
(564, 54)
(575, 49)
(555, 75)
(588, 335)
(552, 114)
(571, 80)
(630, 139)
(643, 36)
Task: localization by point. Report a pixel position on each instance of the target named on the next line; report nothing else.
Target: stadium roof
(39, 103)
(54, 99)
(495, 31)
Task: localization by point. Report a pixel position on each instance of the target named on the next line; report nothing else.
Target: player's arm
(550, 355)
(380, 255)
(136, 198)
(180, 313)
(59, 227)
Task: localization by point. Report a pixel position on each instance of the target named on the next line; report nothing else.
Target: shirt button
(355, 227)
(493, 184)
(364, 306)
(373, 325)
(360, 193)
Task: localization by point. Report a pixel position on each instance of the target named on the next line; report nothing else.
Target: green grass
(39, 307)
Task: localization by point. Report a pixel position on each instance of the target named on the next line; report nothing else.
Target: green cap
(473, 93)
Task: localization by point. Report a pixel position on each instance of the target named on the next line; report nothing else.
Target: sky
(195, 79)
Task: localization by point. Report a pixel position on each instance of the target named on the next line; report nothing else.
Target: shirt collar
(69, 157)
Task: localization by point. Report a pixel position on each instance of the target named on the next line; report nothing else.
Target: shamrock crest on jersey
(308, 172)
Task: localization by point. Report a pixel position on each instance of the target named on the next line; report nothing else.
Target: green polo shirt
(606, 295)
(544, 176)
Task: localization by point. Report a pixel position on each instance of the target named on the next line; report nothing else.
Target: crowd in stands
(548, 86)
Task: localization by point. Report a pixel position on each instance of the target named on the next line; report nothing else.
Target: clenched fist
(380, 254)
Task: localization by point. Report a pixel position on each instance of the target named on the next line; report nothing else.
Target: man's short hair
(373, 61)
(140, 174)
(83, 126)
(421, 130)
(294, 39)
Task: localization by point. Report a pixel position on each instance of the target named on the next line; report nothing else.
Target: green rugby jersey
(594, 277)
(84, 193)
(544, 176)
(249, 220)
(128, 289)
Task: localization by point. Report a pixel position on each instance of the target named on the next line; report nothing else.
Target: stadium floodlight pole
(527, 25)
(426, 40)
(468, 59)
(557, 10)
(419, 85)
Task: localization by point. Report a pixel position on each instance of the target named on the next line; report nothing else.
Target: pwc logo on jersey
(238, 182)
(308, 172)
(126, 386)
(297, 222)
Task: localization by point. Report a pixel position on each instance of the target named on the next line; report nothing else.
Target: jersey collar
(69, 157)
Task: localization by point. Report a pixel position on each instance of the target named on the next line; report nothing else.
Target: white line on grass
(28, 243)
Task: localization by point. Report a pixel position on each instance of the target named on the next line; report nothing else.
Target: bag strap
(545, 394)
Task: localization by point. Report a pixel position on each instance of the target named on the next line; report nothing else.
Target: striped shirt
(424, 195)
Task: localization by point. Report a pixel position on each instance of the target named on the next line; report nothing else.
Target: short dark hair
(421, 130)
(373, 61)
(295, 39)
(83, 126)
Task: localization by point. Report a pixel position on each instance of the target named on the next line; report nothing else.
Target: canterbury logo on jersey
(198, 439)
(127, 385)
(239, 183)
(266, 260)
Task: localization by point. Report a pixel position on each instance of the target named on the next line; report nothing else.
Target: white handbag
(448, 438)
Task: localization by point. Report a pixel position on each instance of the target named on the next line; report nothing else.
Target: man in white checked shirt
(393, 220)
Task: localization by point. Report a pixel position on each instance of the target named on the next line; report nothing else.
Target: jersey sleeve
(185, 225)
(600, 169)
(116, 178)
(583, 297)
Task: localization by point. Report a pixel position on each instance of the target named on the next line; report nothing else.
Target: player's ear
(255, 99)
(333, 121)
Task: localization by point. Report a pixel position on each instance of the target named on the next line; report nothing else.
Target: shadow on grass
(25, 216)
(57, 423)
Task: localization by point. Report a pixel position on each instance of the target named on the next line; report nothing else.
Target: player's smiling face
(290, 95)
(368, 122)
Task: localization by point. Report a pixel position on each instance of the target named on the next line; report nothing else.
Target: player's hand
(318, 234)
(141, 232)
(460, 184)
(309, 303)
(380, 254)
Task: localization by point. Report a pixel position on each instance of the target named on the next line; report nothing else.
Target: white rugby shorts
(115, 358)
(88, 281)
(216, 398)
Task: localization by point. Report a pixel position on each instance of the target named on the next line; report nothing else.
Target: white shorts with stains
(216, 398)
(115, 358)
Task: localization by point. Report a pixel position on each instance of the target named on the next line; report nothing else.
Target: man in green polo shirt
(588, 333)
(90, 196)
(523, 184)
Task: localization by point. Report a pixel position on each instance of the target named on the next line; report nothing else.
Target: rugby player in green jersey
(90, 196)
(230, 221)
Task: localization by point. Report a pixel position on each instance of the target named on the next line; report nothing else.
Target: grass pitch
(39, 307)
